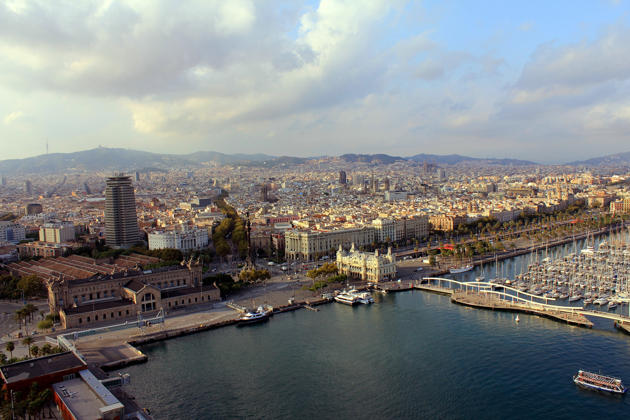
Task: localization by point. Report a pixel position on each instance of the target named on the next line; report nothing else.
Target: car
(270, 263)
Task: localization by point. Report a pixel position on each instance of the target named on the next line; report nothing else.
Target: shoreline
(137, 357)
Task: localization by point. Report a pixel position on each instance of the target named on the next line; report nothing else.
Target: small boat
(612, 305)
(599, 382)
(457, 270)
(516, 319)
(249, 317)
(575, 298)
(365, 298)
(347, 298)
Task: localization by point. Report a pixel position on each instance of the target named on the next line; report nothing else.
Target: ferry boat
(250, 317)
(457, 270)
(599, 382)
(347, 298)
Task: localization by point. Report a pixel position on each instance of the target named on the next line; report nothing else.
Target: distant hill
(117, 159)
(617, 159)
(457, 159)
(377, 158)
(98, 159)
(127, 160)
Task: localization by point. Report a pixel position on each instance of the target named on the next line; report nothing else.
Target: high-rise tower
(342, 177)
(121, 221)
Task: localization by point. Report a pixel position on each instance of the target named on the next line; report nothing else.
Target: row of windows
(150, 306)
(104, 317)
(97, 295)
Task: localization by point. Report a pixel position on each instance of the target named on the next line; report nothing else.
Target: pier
(483, 295)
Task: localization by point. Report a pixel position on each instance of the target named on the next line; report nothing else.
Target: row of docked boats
(354, 297)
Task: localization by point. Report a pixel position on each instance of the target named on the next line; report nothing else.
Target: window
(80, 320)
(127, 311)
(112, 315)
(95, 317)
(88, 319)
(119, 313)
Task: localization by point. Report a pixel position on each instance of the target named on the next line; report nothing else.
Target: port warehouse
(77, 393)
(86, 292)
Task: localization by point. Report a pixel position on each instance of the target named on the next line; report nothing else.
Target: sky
(547, 81)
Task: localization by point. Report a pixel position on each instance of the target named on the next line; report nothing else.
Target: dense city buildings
(121, 222)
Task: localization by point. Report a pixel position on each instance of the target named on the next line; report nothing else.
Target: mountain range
(113, 159)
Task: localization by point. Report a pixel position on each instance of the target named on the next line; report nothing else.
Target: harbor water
(409, 355)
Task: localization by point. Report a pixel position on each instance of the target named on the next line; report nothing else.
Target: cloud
(333, 76)
(12, 117)
(525, 26)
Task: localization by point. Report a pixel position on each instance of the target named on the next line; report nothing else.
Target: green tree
(27, 341)
(31, 285)
(34, 350)
(44, 324)
(10, 346)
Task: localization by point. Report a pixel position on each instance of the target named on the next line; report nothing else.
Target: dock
(434, 289)
(623, 326)
(494, 303)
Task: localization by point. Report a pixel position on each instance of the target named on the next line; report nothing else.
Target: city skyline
(533, 82)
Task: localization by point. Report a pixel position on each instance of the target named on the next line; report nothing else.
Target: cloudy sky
(542, 80)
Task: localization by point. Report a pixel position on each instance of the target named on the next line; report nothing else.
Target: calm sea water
(410, 355)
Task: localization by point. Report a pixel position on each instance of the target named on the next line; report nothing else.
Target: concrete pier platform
(491, 302)
(434, 289)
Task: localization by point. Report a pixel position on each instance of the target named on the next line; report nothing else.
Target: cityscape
(201, 243)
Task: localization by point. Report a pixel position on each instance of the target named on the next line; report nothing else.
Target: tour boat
(457, 270)
(347, 298)
(599, 382)
(249, 317)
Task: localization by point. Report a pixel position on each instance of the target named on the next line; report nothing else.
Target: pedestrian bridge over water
(510, 294)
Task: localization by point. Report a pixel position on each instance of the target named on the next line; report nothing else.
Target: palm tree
(18, 316)
(27, 341)
(35, 350)
(10, 346)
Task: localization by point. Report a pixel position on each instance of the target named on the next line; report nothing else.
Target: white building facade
(184, 239)
(11, 232)
(57, 232)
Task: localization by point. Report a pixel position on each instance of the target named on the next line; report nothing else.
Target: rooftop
(46, 365)
(86, 397)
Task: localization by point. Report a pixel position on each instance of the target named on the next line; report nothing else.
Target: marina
(495, 366)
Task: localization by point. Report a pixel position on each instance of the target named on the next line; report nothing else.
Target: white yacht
(347, 298)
